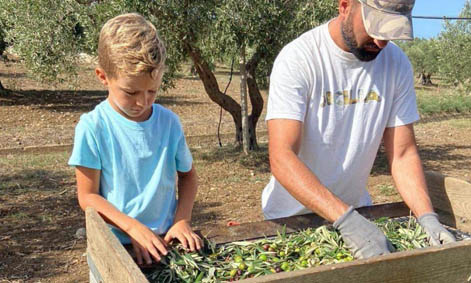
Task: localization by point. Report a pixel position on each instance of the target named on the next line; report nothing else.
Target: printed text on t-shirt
(348, 97)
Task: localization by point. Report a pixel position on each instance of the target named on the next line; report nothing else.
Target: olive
(285, 266)
(238, 259)
(242, 266)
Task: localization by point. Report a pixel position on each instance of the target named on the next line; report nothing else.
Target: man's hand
(146, 244)
(363, 238)
(182, 231)
(437, 234)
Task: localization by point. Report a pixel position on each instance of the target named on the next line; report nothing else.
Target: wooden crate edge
(110, 258)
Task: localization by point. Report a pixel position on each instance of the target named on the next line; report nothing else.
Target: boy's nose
(141, 100)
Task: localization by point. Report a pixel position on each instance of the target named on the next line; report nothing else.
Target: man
(335, 93)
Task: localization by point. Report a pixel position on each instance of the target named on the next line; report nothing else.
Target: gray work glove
(363, 238)
(437, 234)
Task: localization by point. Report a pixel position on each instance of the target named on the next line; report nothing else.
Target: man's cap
(388, 19)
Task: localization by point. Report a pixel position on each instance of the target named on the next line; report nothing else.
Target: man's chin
(366, 56)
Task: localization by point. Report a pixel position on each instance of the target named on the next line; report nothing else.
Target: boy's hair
(129, 45)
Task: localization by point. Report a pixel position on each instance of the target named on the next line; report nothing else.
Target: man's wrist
(338, 222)
(427, 215)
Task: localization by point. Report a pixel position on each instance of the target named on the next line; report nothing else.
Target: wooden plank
(444, 264)
(248, 231)
(95, 276)
(109, 257)
(451, 198)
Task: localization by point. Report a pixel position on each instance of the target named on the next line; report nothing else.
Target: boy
(128, 150)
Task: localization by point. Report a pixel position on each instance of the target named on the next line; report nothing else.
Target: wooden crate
(110, 262)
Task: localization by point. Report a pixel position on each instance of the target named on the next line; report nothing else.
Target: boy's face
(132, 97)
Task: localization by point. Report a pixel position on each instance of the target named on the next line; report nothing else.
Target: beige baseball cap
(388, 19)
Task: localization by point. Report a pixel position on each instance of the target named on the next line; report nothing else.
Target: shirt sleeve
(85, 151)
(288, 86)
(404, 108)
(184, 160)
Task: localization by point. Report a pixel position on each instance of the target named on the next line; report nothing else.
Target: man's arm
(407, 172)
(361, 236)
(406, 168)
(284, 143)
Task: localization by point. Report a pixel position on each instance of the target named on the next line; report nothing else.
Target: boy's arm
(88, 181)
(187, 187)
(145, 242)
(181, 229)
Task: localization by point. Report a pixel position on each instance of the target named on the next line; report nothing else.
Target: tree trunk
(1, 86)
(428, 79)
(425, 78)
(256, 99)
(243, 100)
(212, 89)
(226, 102)
(422, 78)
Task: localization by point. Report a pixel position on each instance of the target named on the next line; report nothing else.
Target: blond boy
(129, 151)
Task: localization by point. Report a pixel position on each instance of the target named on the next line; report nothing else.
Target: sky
(436, 8)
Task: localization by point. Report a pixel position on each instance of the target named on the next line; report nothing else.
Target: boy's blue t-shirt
(138, 162)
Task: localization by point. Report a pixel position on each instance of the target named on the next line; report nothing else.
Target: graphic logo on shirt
(348, 97)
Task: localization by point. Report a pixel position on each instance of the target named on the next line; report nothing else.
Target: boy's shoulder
(165, 113)
(94, 117)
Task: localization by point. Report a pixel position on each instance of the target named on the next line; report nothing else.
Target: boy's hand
(183, 232)
(146, 244)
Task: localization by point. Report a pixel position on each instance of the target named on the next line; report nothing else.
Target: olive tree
(455, 51)
(44, 34)
(263, 27)
(423, 55)
(212, 30)
(202, 31)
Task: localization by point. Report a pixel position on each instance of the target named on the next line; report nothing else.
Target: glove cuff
(428, 216)
(342, 218)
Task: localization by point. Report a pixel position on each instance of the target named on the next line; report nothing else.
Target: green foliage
(429, 103)
(423, 54)
(311, 247)
(455, 51)
(48, 34)
(264, 27)
(45, 34)
(448, 55)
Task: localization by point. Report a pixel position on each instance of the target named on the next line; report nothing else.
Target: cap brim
(386, 26)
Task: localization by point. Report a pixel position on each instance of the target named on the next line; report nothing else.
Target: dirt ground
(39, 214)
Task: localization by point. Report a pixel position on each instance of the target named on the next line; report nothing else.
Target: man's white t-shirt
(345, 105)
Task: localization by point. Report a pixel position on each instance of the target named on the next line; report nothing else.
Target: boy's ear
(101, 75)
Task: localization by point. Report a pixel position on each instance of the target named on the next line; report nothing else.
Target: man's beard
(359, 51)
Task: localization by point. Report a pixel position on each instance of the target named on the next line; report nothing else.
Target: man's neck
(335, 31)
